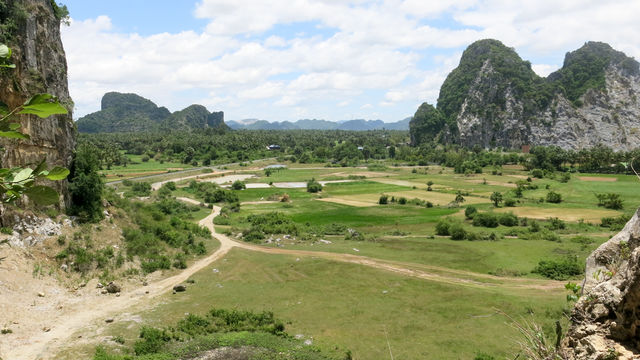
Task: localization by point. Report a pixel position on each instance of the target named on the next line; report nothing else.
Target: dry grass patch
(349, 202)
(490, 182)
(597, 178)
(588, 215)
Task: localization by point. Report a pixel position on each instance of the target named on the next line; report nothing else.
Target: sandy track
(43, 345)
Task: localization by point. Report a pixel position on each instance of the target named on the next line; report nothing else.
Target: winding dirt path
(44, 345)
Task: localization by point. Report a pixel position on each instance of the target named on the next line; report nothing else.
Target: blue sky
(335, 60)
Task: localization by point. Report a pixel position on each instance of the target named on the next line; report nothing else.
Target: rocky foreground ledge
(605, 323)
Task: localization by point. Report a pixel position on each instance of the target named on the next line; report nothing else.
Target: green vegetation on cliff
(584, 69)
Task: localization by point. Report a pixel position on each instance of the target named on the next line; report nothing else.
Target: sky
(326, 59)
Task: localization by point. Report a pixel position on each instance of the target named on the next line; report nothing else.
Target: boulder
(180, 288)
(113, 288)
(606, 318)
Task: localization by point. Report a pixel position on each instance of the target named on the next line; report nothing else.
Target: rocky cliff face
(40, 67)
(133, 113)
(494, 99)
(606, 319)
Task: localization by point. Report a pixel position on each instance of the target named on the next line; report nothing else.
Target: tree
(86, 185)
(459, 198)
(496, 198)
(429, 183)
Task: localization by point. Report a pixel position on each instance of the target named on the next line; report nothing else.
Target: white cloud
(371, 47)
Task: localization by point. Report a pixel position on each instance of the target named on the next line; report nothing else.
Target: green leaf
(10, 66)
(57, 173)
(14, 135)
(42, 105)
(41, 169)
(22, 175)
(14, 126)
(5, 51)
(42, 195)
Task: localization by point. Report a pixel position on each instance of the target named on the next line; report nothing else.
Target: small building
(360, 148)
(273, 147)
(526, 149)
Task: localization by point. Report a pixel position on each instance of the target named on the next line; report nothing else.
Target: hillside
(133, 113)
(493, 98)
(316, 124)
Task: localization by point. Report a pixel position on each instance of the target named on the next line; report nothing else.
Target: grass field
(344, 306)
(347, 306)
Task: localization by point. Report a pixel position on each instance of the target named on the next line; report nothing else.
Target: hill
(493, 98)
(133, 113)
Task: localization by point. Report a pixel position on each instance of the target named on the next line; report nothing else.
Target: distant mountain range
(133, 113)
(317, 124)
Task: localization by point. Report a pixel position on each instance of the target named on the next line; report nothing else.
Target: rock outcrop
(606, 319)
(41, 67)
(133, 113)
(494, 98)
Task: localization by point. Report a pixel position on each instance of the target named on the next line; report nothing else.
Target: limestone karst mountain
(494, 98)
(133, 113)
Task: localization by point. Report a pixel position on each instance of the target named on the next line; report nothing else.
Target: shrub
(486, 220)
(554, 197)
(384, 199)
(537, 173)
(141, 188)
(615, 223)
(145, 158)
(152, 340)
(470, 212)
(238, 185)
(508, 219)
(442, 228)
(402, 200)
(457, 232)
(559, 269)
(313, 186)
(510, 202)
(610, 201)
(555, 224)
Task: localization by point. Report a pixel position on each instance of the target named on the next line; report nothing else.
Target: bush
(486, 220)
(384, 199)
(442, 228)
(141, 188)
(615, 223)
(470, 212)
(152, 340)
(537, 173)
(457, 232)
(556, 224)
(313, 186)
(559, 269)
(508, 219)
(402, 200)
(510, 202)
(554, 197)
(610, 201)
(238, 185)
